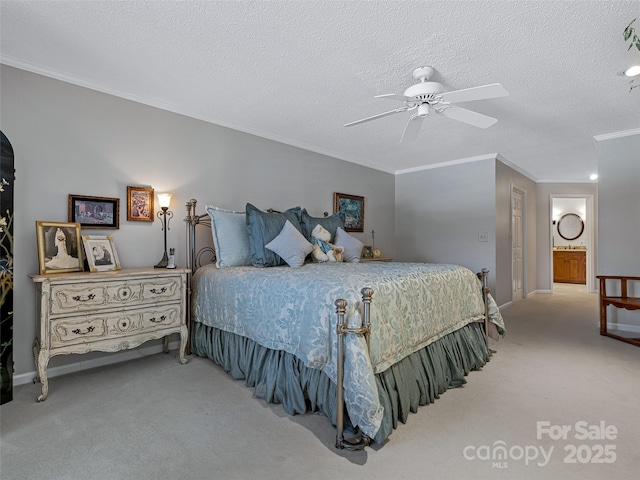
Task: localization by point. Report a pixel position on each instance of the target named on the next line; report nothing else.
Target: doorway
(572, 242)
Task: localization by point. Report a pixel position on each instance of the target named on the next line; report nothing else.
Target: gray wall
(440, 211)
(619, 215)
(68, 139)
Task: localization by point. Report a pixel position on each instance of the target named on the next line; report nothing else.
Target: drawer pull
(80, 298)
(158, 291)
(77, 331)
(155, 320)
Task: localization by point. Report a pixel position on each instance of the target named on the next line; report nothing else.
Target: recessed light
(632, 71)
(593, 176)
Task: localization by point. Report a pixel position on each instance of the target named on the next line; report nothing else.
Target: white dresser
(107, 311)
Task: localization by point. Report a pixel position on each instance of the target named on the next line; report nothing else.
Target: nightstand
(377, 259)
(107, 311)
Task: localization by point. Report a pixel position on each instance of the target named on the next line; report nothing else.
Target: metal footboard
(362, 440)
(342, 330)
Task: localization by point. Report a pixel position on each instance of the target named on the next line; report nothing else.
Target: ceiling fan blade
(467, 116)
(412, 129)
(493, 90)
(394, 96)
(380, 115)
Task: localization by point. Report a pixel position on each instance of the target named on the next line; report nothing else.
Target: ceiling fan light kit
(426, 96)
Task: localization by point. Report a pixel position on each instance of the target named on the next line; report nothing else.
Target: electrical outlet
(483, 236)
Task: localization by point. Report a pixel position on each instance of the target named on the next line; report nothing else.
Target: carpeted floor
(155, 419)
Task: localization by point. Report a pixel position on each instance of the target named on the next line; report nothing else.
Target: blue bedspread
(292, 309)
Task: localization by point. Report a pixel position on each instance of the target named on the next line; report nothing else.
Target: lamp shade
(164, 199)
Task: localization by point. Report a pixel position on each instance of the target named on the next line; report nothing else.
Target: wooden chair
(623, 301)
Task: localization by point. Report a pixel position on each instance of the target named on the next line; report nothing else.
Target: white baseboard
(506, 305)
(623, 327)
(109, 359)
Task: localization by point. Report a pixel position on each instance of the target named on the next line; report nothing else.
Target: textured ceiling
(297, 71)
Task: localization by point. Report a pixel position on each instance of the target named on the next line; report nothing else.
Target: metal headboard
(195, 256)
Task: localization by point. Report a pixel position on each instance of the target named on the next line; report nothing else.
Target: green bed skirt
(281, 378)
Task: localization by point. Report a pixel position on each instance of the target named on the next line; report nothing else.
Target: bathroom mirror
(570, 226)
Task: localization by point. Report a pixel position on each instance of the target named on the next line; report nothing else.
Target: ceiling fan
(426, 96)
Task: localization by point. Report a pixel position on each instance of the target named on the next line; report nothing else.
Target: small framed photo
(139, 204)
(352, 209)
(367, 251)
(59, 248)
(94, 212)
(101, 253)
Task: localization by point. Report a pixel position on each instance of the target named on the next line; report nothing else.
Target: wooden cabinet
(570, 266)
(108, 312)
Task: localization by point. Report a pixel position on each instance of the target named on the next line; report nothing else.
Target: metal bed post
(484, 278)
(342, 330)
(190, 220)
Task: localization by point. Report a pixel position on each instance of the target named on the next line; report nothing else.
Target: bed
(364, 343)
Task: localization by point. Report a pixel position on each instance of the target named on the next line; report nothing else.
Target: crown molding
(490, 156)
(611, 136)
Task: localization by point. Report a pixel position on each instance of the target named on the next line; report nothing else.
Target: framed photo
(352, 209)
(101, 253)
(59, 248)
(94, 212)
(139, 204)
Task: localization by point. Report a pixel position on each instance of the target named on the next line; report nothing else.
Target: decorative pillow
(330, 223)
(263, 227)
(290, 245)
(230, 237)
(352, 246)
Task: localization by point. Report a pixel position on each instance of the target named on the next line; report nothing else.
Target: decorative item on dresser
(100, 252)
(59, 249)
(108, 312)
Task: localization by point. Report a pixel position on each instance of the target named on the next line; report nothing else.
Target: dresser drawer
(82, 297)
(113, 325)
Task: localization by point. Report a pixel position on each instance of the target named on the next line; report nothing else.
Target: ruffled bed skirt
(280, 377)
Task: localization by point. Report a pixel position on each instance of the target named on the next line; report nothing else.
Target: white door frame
(522, 191)
(590, 230)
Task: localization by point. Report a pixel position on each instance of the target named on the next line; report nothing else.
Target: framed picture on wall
(351, 208)
(59, 249)
(139, 204)
(101, 253)
(94, 212)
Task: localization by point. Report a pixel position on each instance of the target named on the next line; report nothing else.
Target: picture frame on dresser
(351, 209)
(101, 254)
(94, 212)
(139, 204)
(59, 248)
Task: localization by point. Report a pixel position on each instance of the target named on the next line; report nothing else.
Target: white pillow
(290, 245)
(230, 237)
(352, 246)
